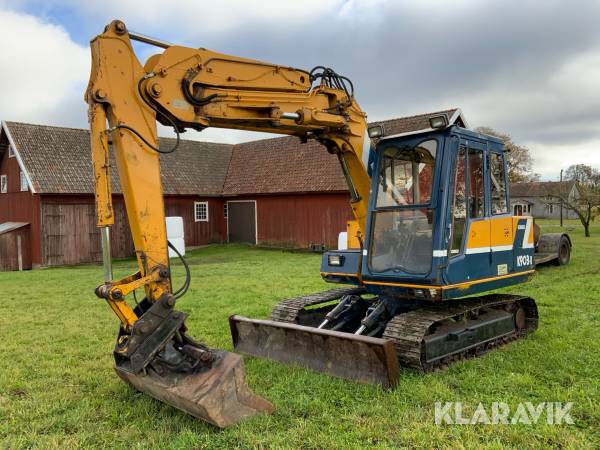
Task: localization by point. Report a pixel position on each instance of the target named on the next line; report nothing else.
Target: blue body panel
(469, 272)
(348, 272)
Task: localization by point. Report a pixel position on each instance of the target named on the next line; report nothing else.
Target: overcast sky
(527, 68)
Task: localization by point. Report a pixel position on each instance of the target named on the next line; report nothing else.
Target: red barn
(273, 192)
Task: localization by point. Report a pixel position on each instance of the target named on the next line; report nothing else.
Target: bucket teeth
(219, 394)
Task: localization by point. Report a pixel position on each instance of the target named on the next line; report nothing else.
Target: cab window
(498, 184)
(402, 224)
(459, 204)
(406, 176)
(476, 190)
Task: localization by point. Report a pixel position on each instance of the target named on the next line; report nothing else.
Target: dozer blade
(218, 395)
(361, 358)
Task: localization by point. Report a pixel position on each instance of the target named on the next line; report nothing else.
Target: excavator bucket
(361, 358)
(219, 394)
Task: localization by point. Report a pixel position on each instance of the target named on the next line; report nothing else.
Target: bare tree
(518, 159)
(586, 204)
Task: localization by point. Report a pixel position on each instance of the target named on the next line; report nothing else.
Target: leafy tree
(587, 203)
(518, 160)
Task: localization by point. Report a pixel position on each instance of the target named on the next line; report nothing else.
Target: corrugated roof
(540, 188)
(58, 162)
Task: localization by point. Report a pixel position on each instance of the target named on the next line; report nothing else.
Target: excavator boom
(195, 88)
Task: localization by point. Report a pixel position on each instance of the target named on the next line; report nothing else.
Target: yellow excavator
(431, 223)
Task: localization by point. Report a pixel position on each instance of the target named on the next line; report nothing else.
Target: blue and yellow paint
(497, 250)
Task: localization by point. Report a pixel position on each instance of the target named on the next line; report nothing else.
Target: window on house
(225, 210)
(498, 184)
(11, 152)
(528, 208)
(201, 211)
(24, 184)
(3, 184)
(551, 208)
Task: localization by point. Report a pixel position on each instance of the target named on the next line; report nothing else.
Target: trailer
(551, 247)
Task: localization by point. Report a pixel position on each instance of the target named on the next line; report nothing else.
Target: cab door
(469, 251)
(501, 221)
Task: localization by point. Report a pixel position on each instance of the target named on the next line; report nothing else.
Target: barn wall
(298, 220)
(70, 236)
(17, 206)
(9, 254)
(198, 233)
(69, 232)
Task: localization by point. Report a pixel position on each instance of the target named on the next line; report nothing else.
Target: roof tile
(540, 188)
(283, 165)
(58, 162)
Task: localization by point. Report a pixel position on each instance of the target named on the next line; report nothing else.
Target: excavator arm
(195, 88)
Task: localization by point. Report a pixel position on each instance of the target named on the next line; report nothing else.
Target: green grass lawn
(58, 389)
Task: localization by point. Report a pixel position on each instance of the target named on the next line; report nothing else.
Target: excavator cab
(439, 224)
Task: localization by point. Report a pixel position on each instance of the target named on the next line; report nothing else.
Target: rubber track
(408, 330)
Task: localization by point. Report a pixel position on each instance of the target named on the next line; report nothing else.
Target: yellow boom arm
(197, 88)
